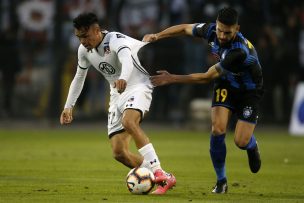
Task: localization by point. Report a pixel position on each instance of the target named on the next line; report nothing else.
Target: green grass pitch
(76, 165)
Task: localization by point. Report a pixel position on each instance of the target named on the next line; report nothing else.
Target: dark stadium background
(41, 161)
(38, 55)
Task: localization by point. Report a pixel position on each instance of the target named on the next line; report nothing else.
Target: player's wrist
(156, 36)
(68, 107)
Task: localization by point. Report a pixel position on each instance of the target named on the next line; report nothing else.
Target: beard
(225, 43)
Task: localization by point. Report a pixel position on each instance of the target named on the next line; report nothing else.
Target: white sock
(150, 156)
(146, 164)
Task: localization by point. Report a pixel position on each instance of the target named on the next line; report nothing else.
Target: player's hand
(150, 38)
(66, 116)
(120, 85)
(163, 78)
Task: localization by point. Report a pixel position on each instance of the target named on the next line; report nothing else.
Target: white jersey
(115, 58)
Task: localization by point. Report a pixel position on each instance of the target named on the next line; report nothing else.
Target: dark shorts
(244, 103)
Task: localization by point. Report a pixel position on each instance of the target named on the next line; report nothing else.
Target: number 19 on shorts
(221, 95)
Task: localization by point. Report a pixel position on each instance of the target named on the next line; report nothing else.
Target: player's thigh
(247, 113)
(132, 116)
(243, 132)
(223, 103)
(219, 118)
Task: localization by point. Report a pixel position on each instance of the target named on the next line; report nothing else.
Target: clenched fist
(66, 116)
(150, 38)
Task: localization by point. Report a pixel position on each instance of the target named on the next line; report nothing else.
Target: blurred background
(38, 53)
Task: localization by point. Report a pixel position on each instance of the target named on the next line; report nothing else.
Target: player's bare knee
(241, 143)
(218, 130)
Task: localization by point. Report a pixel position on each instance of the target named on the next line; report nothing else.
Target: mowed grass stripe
(77, 166)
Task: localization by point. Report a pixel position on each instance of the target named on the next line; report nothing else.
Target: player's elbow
(207, 80)
(187, 28)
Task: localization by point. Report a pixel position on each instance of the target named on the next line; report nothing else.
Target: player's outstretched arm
(177, 30)
(76, 86)
(165, 78)
(66, 116)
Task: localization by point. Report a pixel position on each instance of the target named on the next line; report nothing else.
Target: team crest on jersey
(247, 111)
(106, 50)
(131, 99)
(214, 50)
(212, 44)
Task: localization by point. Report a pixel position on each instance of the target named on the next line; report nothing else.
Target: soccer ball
(140, 180)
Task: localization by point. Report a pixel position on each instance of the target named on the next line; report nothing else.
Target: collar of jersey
(104, 32)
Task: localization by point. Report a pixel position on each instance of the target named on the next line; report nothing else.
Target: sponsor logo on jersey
(106, 68)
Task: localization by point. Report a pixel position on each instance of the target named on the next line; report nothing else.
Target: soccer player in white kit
(114, 55)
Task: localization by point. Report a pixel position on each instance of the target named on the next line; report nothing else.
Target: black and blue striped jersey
(238, 59)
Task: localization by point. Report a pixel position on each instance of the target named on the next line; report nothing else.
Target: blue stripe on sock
(251, 144)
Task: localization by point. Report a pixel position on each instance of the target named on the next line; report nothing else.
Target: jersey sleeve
(203, 30)
(79, 78)
(83, 63)
(119, 42)
(121, 46)
(76, 87)
(233, 60)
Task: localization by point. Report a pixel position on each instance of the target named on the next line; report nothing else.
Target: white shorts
(138, 98)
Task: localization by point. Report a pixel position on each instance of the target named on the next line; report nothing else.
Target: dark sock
(218, 155)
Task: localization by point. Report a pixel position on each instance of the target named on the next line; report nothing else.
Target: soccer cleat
(221, 187)
(162, 187)
(160, 176)
(254, 159)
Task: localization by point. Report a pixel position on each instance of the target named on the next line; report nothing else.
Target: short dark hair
(85, 20)
(228, 16)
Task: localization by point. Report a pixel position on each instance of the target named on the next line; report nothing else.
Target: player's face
(89, 38)
(226, 33)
